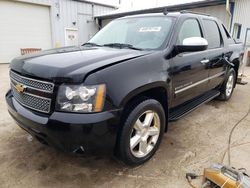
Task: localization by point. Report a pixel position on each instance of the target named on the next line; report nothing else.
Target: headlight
(80, 98)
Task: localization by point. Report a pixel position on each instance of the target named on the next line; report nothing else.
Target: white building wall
(218, 11)
(241, 16)
(23, 25)
(64, 12)
(81, 13)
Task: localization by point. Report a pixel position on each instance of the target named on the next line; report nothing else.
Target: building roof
(96, 3)
(186, 6)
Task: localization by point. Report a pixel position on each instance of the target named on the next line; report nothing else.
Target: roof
(170, 8)
(172, 14)
(96, 3)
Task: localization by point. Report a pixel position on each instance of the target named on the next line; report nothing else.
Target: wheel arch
(236, 66)
(235, 59)
(158, 91)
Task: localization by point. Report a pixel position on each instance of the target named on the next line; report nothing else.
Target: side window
(213, 34)
(190, 28)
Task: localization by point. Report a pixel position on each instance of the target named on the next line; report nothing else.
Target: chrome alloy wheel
(230, 84)
(145, 134)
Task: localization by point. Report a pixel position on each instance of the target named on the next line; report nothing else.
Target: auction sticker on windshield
(150, 29)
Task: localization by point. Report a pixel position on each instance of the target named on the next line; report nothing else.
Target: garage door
(23, 25)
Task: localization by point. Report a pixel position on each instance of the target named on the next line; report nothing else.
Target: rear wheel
(228, 86)
(142, 132)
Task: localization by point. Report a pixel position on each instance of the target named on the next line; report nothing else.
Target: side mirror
(193, 44)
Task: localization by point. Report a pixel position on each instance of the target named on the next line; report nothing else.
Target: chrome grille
(32, 83)
(28, 99)
(31, 101)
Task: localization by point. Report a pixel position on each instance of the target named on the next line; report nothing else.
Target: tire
(136, 144)
(228, 86)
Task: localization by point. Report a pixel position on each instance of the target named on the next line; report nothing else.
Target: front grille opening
(34, 102)
(33, 83)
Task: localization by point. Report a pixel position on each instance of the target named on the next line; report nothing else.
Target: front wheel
(142, 132)
(228, 86)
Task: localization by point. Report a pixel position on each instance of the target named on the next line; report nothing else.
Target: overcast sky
(141, 4)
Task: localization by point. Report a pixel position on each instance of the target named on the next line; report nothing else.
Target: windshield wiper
(91, 44)
(122, 45)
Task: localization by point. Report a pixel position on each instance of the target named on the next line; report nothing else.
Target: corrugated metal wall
(241, 16)
(64, 13)
(218, 11)
(80, 13)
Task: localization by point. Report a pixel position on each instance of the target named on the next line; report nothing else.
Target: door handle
(204, 61)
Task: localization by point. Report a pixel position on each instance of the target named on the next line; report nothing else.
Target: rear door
(189, 70)
(215, 53)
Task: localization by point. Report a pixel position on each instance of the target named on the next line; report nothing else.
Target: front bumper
(68, 131)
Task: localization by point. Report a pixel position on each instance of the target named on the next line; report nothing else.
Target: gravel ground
(191, 144)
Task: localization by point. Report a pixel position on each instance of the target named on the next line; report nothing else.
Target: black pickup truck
(119, 90)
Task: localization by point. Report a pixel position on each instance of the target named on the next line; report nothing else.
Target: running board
(181, 110)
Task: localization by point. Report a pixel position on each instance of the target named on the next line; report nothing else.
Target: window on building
(213, 34)
(247, 37)
(190, 28)
(237, 30)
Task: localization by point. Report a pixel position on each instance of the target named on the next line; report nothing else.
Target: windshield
(142, 32)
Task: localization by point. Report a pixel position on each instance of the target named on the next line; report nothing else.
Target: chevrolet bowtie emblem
(20, 88)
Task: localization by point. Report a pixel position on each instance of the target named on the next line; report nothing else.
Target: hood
(71, 64)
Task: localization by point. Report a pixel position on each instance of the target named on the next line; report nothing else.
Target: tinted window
(190, 28)
(213, 34)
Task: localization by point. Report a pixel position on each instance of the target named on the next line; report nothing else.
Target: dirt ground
(192, 143)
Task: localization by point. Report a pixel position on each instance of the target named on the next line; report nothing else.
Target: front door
(189, 69)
